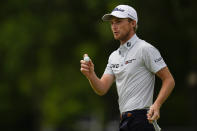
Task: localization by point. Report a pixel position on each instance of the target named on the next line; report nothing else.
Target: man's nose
(114, 26)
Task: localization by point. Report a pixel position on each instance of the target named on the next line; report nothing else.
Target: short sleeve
(152, 59)
(108, 69)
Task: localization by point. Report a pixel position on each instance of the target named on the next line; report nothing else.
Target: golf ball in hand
(86, 58)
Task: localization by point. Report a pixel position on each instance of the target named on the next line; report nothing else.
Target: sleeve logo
(157, 60)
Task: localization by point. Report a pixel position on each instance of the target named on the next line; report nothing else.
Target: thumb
(85, 55)
(86, 58)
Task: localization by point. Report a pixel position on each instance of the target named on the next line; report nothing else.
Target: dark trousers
(135, 120)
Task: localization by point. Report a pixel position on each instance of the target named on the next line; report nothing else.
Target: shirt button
(128, 44)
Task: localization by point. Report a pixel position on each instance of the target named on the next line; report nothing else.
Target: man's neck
(126, 39)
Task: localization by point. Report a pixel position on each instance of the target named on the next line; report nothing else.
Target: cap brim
(108, 17)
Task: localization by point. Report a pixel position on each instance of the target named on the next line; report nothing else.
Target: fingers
(86, 58)
(83, 69)
(87, 67)
(153, 114)
(88, 63)
(83, 62)
(84, 65)
(150, 114)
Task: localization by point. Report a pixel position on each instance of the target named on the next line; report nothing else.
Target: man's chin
(116, 38)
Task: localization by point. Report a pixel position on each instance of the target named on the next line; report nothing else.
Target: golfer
(133, 67)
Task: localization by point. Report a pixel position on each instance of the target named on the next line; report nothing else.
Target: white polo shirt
(134, 65)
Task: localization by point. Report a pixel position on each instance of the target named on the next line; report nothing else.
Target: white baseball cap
(122, 11)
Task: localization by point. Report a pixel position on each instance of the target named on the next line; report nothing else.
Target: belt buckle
(129, 114)
(125, 114)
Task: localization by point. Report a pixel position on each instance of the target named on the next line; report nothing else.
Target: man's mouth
(115, 33)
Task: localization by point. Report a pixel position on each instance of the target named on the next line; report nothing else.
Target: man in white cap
(133, 67)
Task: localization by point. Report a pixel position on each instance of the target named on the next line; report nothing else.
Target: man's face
(121, 28)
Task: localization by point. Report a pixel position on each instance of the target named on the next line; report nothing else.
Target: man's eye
(118, 21)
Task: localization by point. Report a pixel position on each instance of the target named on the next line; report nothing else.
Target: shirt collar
(127, 45)
(130, 43)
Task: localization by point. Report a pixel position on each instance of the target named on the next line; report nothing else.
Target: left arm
(168, 84)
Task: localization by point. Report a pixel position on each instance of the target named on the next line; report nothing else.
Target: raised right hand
(87, 68)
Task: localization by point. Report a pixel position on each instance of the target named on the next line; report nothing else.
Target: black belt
(127, 114)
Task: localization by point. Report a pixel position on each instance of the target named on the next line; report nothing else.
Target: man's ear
(133, 23)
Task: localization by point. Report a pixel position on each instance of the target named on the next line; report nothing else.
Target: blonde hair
(136, 26)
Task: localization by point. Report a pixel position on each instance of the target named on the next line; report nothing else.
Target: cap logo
(117, 9)
(131, 16)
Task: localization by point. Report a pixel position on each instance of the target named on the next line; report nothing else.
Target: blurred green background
(42, 42)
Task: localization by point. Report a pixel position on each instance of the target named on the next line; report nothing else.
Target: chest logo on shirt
(129, 61)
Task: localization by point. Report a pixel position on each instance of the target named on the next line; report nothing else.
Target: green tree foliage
(42, 42)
